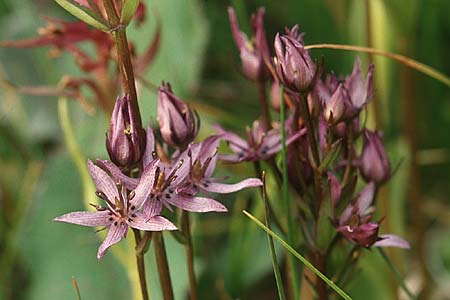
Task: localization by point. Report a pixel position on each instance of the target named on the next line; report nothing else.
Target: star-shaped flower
(123, 209)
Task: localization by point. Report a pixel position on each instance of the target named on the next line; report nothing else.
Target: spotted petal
(156, 223)
(115, 234)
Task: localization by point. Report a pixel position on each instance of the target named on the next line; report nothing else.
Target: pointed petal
(152, 208)
(86, 218)
(115, 234)
(103, 182)
(335, 188)
(156, 223)
(233, 158)
(196, 204)
(145, 185)
(366, 197)
(223, 188)
(128, 182)
(391, 240)
(149, 148)
(231, 137)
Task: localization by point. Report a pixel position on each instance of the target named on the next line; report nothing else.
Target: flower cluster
(182, 178)
(323, 130)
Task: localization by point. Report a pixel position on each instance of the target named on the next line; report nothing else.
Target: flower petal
(156, 223)
(128, 182)
(223, 188)
(103, 182)
(86, 218)
(366, 197)
(152, 208)
(196, 204)
(145, 185)
(115, 234)
(149, 148)
(391, 240)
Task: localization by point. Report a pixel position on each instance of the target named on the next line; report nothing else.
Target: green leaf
(331, 155)
(83, 14)
(128, 11)
(300, 257)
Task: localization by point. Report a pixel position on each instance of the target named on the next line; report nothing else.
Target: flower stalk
(141, 265)
(124, 59)
(186, 225)
(163, 266)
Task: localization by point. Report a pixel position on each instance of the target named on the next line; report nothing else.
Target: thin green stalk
(140, 263)
(425, 69)
(75, 286)
(189, 255)
(397, 274)
(276, 269)
(163, 266)
(285, 196)
(303, 260)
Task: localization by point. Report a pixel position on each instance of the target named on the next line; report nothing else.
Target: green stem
(276, 269)
(299, 257)
(163, 266)
(397, 274)
(189, 255)
(141, 266)
(124, 60)
(285, 196)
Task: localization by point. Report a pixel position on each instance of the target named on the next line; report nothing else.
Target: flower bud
(336, 106)
(255, 52)
(374, 163)
(275, 95)
(179, 124)
(359, 91)
(293, 64)
(125, 142)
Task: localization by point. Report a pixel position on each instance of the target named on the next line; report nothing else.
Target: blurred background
(39, 181)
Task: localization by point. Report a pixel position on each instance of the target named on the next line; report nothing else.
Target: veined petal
(86, 218)
(366, 197)
(152, 208)
(145, 184)
(156, 223)
(223, 188)
(231, 137)
(149, 148)
(128, 182)
(103, 182)
(234, 158)
(196, 204)
(391, 240)
(115, 234)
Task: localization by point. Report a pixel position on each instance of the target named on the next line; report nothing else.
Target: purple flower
(337, 105)
(374, 164)
(202, 159)
(122, 210)
(125, 141)
(293, 64)
(260, 145)
(255, 52)
(179, 124)
(358, 91)
(165, 184)
(355, 223)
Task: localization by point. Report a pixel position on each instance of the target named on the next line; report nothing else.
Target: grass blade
(285, 195)
(75, 285)
(319, 274)
(423, 68)
(397, 274)
(276, 269)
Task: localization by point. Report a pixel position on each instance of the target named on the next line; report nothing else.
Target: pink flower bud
(124, 142)
(374, 163)
(179, 124)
